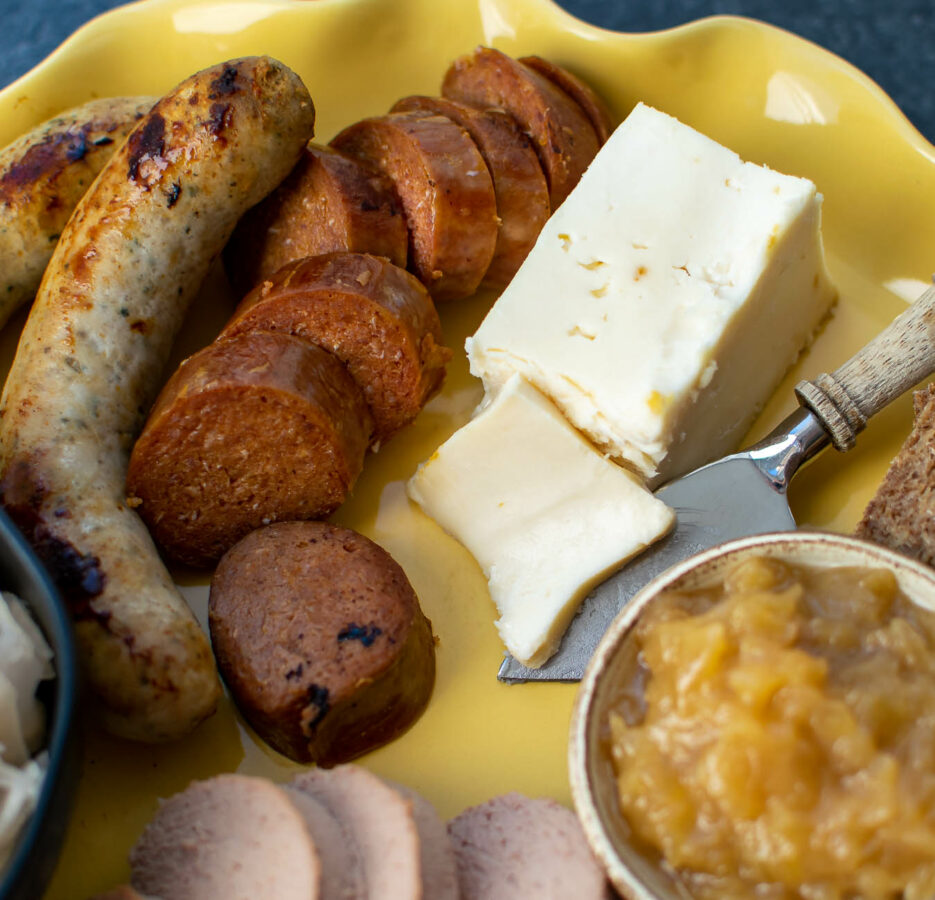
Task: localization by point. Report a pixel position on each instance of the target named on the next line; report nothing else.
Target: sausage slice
(561, 133)
(375, 317)
(514, 846)
(382, 823)
(342, 872)
(321, 640)
(580, 91)
(250, 430)
(233, 837)
(330, 201)
(519, 184)
(446, 192)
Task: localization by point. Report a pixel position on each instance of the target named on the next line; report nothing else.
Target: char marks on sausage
(43, 175)
(280, 602)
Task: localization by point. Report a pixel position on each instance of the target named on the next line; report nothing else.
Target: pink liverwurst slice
(514, 846)
(382, 823)
(233, 837)
(439, 869)
(342, 871)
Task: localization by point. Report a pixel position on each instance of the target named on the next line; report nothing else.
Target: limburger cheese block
(665, 299)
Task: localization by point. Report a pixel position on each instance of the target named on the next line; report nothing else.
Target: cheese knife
(745, 493)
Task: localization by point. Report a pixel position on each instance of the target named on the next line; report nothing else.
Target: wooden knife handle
(899, 357)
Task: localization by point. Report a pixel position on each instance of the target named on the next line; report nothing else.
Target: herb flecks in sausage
(366, 634)
(43, 175)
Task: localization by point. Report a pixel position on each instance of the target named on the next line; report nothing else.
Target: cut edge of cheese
(544, 513)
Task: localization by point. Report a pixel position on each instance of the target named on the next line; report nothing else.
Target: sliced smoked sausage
(375, 317)
(446, 192)
(580, 91)
(560, 131)
(330, 201)
(519, 184)
(253, 429)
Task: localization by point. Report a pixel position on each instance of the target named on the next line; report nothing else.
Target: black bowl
(33, 860)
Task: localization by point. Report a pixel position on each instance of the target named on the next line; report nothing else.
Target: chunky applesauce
(776, 738)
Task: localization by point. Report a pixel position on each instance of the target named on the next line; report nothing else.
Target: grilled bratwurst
(126, 268)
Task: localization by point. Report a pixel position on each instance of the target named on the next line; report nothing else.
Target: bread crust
(901, 514)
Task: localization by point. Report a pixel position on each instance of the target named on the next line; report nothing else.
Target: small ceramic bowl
(635, 874)
(37, 848)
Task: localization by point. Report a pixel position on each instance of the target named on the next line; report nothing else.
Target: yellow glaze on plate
(771, 97)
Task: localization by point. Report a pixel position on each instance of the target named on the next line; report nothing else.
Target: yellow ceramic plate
(772, 97)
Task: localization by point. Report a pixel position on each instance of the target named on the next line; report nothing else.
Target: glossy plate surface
(771, 97)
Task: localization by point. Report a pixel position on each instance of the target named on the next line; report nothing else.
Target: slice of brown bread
(901, 514)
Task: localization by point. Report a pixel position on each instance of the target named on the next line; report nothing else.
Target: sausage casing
(126, 268)
(43, 175)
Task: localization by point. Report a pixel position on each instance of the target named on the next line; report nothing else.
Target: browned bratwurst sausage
(43, 175)
(375, 317)
(252, 429)
(561, 133)
(446, 192)
(518, 182)
(126, 268)
(329, 202)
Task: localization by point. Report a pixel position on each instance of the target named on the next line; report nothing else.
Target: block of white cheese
(665, 299)
(543, 512)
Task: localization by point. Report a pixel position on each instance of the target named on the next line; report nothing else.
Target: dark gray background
(893, 41)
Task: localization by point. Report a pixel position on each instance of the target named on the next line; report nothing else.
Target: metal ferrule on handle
(902, 355)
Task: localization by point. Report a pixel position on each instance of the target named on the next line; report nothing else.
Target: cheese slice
(543, 512)
(665, 299)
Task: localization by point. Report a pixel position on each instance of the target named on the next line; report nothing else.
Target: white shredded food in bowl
(25, 660)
